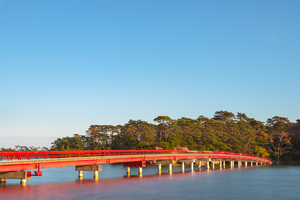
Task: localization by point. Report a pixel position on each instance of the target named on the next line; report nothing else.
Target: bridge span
(13, 165)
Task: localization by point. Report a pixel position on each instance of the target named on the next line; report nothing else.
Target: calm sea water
(263, 182)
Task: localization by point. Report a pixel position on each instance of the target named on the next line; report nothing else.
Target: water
(264, 182)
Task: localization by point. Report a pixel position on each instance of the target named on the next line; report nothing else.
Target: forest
(278, 138)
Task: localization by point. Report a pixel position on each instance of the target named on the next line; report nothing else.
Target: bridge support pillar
(246, 163)
(213, 164)
(199, 165)
(224, 166)
(231, 164)
(256, 163)
(207, 165)
(182, 166)
(128, 170)
(95, 174)
(80, 174)
(170, 168)
(140, 171)
(159, 168)
(22, 175)
(251, 163)
(94, 168)
(23, 181)
(239, 164)
(192, 166)
(220, 163)
(2, 181)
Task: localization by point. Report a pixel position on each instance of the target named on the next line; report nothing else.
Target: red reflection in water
(82, 189)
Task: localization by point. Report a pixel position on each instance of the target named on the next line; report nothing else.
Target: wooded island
(278, 139)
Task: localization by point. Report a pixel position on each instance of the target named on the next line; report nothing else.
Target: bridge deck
(39, 160)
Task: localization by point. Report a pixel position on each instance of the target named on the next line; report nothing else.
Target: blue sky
(65, 65)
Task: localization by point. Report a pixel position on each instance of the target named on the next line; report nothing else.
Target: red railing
(92, 153)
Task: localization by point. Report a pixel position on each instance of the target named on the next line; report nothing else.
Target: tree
(137, 134)
(213, 135)
(162, 129)
(109, 131)
(98, 138)
(243, 117)
(223, 116)
(295, 139)
(191, 130)
(261, 152)
(279, 139)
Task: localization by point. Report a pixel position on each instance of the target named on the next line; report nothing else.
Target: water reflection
(240, 183)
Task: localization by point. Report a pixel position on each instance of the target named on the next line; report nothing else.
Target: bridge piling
(3, 181)
(94, 168)
(140, 171)
(159, 168)
(207, 165)
(128, 170)
(182, 166)
(231, 164)
(246, 163)
(95, 174)
(23, 181)
(22, 175)
(220, 163)
(199, 165)
(192, 166)
(224, 166)
(80, 174)
(170, 168)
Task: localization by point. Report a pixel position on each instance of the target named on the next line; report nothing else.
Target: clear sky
(68, 64)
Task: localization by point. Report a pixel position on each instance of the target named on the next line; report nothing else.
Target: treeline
(19, 148)
(278, 139)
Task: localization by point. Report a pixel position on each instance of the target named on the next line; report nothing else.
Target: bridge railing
(94, 153)
(81, 153)
(233, 154)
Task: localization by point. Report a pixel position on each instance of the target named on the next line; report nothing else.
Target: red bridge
(13, 165)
